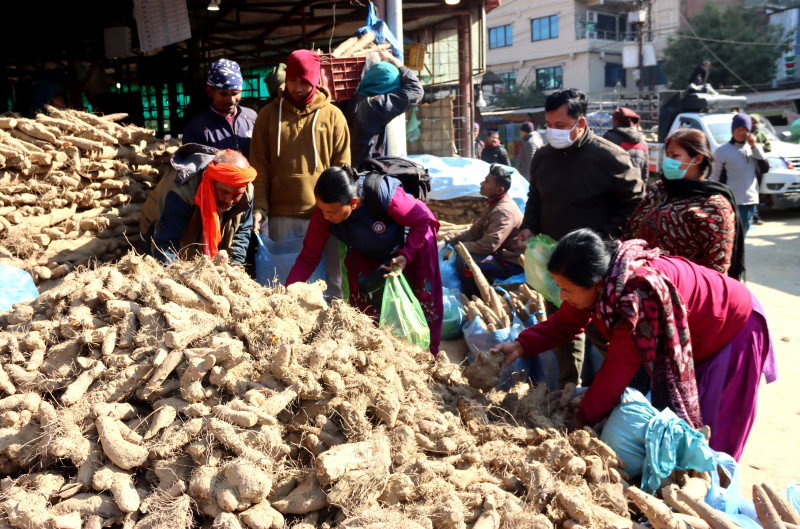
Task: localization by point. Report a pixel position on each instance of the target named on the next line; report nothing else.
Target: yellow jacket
(290, 149)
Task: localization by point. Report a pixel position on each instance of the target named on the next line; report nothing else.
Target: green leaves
(741, 44)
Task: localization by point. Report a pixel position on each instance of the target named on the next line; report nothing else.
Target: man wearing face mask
(578, 180)
(737, 164)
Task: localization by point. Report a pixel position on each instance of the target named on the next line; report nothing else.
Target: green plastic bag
(537, 254)
(402, 314)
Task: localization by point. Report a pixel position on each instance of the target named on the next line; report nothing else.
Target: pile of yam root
(138, 396)
(71, 187)
(463, 210)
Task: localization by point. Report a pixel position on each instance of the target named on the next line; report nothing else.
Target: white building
(575, 43)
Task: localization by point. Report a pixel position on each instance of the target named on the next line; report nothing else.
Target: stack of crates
(341, 76)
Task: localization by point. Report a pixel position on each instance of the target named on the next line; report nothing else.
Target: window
(611, 27)
(509, 83)
(615, 73)
(544, 28)
(510, 80)
(500, 37)
(549, 78)
(654, 75)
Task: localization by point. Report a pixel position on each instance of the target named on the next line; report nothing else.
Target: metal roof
(254, 31)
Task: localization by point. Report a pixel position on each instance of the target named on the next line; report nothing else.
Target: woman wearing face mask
(688, 215)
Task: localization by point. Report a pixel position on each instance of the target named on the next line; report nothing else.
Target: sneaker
(757, 221)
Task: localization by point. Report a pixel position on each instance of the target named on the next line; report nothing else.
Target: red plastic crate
(341, 76)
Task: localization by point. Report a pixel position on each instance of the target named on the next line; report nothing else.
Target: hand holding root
(511, 350)
(396, 266)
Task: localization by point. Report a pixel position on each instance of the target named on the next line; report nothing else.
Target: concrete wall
(583, 60)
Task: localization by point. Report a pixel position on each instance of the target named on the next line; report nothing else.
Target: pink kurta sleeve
(313, 246)
(617, 371)
(410, 212)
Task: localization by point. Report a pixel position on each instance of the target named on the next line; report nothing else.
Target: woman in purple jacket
(375, 243)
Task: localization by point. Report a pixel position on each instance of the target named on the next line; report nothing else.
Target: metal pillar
(465, 99)
(396, 129)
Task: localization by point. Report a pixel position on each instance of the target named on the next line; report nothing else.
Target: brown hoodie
(290, 149)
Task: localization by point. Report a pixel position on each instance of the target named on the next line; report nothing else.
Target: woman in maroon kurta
(668, 314)
(687, 215)
(374, 243)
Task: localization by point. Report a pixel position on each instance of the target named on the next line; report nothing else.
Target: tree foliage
(755, 64)
(524, 95)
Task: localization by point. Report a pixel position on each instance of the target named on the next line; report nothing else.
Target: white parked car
(780, 187)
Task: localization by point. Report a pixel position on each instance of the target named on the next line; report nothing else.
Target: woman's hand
(396, 266)
(511, 350)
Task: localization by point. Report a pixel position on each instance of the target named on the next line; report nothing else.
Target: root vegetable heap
(71, 187)
(148, 397)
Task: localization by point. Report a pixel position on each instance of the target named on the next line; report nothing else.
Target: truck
(665, 111)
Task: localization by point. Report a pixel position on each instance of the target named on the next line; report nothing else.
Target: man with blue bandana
(224, 124)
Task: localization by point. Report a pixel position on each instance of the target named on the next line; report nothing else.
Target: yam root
(765, 510)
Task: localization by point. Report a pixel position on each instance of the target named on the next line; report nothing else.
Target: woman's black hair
(337, 185)
(694, 142)
(583, 257)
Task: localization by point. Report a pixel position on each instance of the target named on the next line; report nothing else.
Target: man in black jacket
(493, 150)
(578, 180)
(626, 135)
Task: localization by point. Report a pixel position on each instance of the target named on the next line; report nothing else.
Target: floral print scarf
(649, 300)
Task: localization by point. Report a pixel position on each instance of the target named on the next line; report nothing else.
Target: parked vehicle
(779, 188)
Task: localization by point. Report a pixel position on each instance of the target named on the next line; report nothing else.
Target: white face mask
(559, 138)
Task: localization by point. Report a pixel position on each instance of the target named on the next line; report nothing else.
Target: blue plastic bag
(276, 259)
(265, 266)
(381, 31)
(728, 499)
(454, 314)
(15, 285)
(794, 495)
(511, 280)
(447, 268)
(670, 443)
(624, 430)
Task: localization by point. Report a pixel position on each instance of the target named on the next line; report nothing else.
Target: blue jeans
(746, 214)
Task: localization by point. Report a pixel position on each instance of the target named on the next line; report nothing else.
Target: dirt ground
(772, 453)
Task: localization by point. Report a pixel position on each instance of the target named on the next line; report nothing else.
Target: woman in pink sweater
(701, 335)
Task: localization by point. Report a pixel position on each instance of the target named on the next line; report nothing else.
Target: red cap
(626, 116)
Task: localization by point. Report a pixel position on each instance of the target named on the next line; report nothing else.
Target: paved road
(772, 453)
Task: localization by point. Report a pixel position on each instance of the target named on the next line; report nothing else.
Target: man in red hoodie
(296, 137)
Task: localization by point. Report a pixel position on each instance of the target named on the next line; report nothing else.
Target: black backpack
(413, 177)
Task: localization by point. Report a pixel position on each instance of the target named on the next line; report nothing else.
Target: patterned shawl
(650, 301)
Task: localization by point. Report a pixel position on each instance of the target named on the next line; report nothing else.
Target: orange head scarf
(206, 199)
